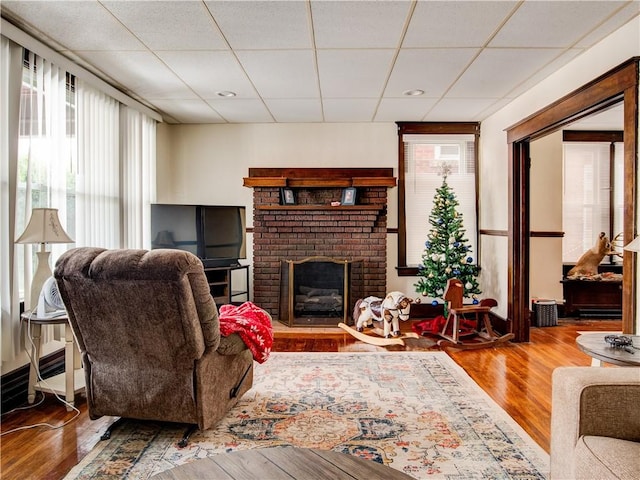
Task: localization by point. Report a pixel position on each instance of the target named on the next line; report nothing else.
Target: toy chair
(468, 321)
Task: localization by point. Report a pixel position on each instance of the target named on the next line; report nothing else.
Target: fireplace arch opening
(319, 291)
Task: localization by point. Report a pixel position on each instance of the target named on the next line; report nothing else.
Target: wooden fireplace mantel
(352, 208)
(320, 177)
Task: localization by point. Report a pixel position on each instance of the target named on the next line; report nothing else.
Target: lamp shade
(633, 246)
(44, 227)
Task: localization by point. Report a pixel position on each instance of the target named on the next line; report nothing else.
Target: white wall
(206, 163)
(546, 216)
(612, 51)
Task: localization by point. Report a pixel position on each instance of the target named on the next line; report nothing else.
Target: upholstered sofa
(595, 423)
(148, 331)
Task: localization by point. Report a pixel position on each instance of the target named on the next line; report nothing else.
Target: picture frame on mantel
(287, 197)
(348, 196)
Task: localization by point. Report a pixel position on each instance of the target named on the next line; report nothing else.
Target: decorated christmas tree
(446, 254)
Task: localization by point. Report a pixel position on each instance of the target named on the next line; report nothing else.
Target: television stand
(221, 283)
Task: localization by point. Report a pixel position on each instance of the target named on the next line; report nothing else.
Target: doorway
(576, 188)
(617, 85)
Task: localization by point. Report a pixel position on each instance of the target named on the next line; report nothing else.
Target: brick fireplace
(313, 227)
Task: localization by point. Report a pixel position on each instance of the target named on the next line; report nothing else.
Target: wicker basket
(546, 313)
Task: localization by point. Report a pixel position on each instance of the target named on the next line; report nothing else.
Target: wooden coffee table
(279, 463)
(593, 344)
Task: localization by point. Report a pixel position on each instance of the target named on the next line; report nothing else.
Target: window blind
(586, 196)
(425, 158)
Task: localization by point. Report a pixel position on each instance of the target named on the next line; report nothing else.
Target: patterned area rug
(418, 412)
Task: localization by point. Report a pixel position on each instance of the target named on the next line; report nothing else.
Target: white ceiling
(319, 60)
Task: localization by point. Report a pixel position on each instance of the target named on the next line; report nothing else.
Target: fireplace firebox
(319, 291)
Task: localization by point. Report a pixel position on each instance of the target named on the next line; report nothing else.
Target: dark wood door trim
(619, 84)
(630, 259)
(592, 136)
(603, 92)
(519, 233)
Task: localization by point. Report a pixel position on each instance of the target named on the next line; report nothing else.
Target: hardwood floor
(516, 376)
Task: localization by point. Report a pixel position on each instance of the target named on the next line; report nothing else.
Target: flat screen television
(215, 233)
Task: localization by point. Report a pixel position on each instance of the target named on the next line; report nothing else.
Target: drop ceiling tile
(255, 25)
(349, 110)
(189, 111)
(209, 72)
(164, 25)
(241, 110)
(353, 73)
(359, 24)
(456, 23)
(281, 73)
(610, 25)
(411, 109)
(276, 57)
(552, 23)
(481, 81)
(459, 109)
(431, 70)
(142, 73)
(76, 25)
(297, 110)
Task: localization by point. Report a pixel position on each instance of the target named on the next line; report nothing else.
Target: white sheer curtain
(98, 179)
(138, 153)
(75, 152)
(46, 155)
(10, 82)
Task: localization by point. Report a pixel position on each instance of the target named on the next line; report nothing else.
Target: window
(444, 152)
(47, 149)
(425, 149)
(592, 195)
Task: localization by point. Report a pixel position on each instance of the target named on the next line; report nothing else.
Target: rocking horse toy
(387, 313)
(468, 321)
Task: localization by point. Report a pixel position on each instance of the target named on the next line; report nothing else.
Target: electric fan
(50, 303)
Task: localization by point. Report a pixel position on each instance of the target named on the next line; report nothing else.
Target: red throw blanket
(253, 325)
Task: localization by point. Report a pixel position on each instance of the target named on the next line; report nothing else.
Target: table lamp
(44, 227)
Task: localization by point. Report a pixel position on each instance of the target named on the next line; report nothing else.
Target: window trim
(427, 128)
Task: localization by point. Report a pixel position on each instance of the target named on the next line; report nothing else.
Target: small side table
(594, 345)
(68, 383)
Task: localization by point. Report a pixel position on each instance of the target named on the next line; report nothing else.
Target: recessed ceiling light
(413, 93)
(226, 93)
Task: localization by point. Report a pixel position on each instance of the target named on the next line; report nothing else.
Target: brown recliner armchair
(148, 331)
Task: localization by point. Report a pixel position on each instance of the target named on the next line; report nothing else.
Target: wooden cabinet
(601, 298)
(223, 286)
(587, 297)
